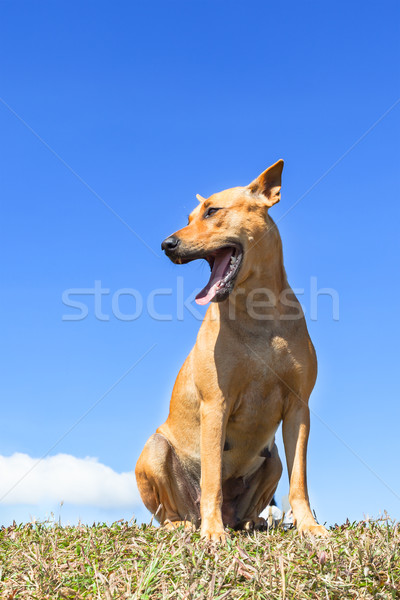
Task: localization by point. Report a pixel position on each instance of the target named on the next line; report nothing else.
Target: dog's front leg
(212, 439)
(295, 429)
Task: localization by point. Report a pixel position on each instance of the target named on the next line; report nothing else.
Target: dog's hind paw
(171, 525)
(258, 523)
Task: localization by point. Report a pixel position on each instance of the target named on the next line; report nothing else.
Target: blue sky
(113, 116)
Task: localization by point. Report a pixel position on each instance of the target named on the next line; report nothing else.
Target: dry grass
(45, 561)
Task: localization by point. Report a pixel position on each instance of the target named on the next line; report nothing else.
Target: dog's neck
(264, 294)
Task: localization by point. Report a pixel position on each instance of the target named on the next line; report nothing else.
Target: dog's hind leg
(260, 491)
(165, 487)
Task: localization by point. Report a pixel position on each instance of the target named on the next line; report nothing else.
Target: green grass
(359, 560)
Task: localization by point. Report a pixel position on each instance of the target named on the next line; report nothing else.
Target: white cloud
(31, 481)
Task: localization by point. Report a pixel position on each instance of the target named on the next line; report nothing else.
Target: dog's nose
(170, 243)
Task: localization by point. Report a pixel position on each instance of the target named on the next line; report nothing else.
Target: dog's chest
(256, 409)
(251, 427)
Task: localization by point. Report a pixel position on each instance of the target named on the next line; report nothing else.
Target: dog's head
(225, 229)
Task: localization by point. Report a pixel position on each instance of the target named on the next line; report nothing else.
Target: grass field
(359, 560)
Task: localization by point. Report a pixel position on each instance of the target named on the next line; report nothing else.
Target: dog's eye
(210, 212)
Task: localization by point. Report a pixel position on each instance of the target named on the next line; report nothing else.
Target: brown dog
(214, 460)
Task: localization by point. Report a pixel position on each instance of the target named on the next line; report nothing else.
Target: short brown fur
(214, 461)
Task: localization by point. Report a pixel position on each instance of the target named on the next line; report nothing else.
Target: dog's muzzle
(170, 245)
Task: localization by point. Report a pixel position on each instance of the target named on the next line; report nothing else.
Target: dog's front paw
(314, 529)
(214, 534)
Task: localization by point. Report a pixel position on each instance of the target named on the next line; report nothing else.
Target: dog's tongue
(220, 266)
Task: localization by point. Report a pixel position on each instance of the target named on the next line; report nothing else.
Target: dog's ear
(268, 184)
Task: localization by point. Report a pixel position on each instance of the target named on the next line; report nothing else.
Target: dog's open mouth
(224, 263)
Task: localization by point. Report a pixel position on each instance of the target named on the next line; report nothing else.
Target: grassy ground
(359, 560)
